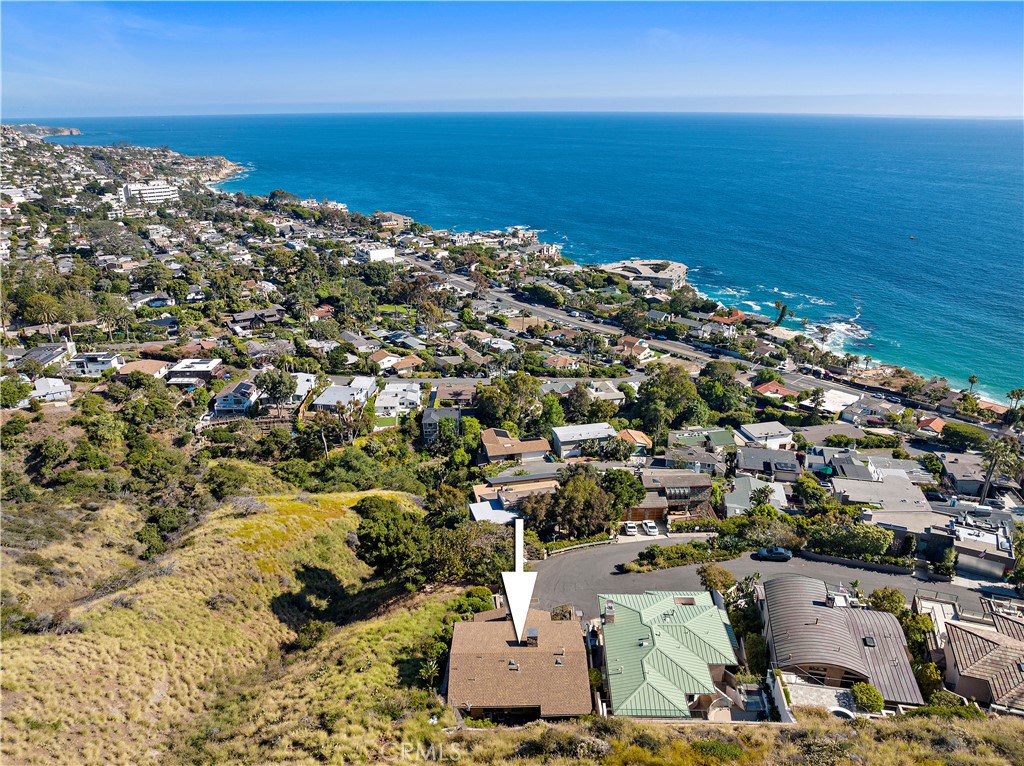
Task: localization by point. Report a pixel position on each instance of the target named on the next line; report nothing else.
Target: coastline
(944, 355)
(840, 348)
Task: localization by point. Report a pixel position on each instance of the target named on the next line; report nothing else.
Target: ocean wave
(753, 306)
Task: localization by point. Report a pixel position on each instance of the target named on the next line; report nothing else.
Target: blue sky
(96, 59)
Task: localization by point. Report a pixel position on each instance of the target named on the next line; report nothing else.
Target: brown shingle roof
(498, 443)
(993, 657)
(551, 676)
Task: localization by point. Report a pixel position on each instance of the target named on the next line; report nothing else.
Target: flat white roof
(583, 432)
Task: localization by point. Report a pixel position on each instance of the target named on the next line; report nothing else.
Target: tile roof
(994, 657)
(551, 676)
(658, 650)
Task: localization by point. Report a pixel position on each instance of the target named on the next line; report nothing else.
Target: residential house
(667, 654)
(431, 423)
(568, 440)
(814, 633)
(361, 344)
(696, 459)
(48, 390)
(156, 368)
(95, 363)
(632, 349)
(493, 674)
(732, 317)
(605, 391)
(195, 294)
(642, 444)
(779, 465)
(167, 323)
(384, 360)
(267, 351)
(987, 665)
(561, 362)
(236, 399)
(738, 501)
(774, 389)
(48, 353)
(671, 495)
(770, 435)
(931, 426)
(711, 329)
(965, 471)
(256, 319)
(498, 445)
(194, 372)
(460, 393)
(818, 434)
(358, 390)
(396, 400)
(407, 365)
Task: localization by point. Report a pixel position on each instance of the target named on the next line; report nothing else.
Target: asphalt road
(578, 577)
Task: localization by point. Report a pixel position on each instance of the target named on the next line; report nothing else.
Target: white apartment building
(149, 193)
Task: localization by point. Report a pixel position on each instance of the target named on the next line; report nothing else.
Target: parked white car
(650, 528)
(630, 528)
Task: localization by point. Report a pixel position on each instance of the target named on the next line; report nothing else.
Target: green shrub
(867, 697)
(312, 633)
(601, 537)
(719, 749)
(596, 678)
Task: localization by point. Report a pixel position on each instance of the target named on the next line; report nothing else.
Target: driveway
(579, 576)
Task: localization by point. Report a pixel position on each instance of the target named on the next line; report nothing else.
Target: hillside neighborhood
(170, 348)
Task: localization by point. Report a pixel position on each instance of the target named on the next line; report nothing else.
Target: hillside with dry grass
(161, 639)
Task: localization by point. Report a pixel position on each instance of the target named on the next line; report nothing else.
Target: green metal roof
(721, 438)
(657, 651)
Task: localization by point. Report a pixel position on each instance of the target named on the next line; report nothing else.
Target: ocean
(904, 236)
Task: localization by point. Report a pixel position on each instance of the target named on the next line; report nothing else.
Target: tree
(761, 496)
(817, 398)
(973, 380)
(278, 385)
(807, 490)
(43, 309)
(618, 450)
(625, 488)
(964, 437)
(576, 404)
(551, 414)
(1015, 396)
(867, 697)
(391, 539)
(715, 577)
(1000, 456)
(13, 391)
(888, 599)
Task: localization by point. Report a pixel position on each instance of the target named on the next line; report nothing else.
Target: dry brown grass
(155, 655)
(57, 575)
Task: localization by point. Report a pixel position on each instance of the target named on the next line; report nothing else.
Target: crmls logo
(408, 752)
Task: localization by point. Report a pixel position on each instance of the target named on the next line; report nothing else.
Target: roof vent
(869, 641)
(558, 662)
(513, 665)
(1020, 666)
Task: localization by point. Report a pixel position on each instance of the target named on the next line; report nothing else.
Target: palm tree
(1015, 396)
(6, 312)
(760, 496)
(867, 360)
(1000, 455)
(47, 314)
(109, 314)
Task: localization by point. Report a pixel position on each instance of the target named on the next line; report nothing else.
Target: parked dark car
(775, 553)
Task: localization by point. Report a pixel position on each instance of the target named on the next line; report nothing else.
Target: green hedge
(561, 544)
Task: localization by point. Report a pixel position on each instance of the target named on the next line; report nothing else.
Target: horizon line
(6, 120)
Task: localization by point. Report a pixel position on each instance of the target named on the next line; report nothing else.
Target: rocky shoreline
(44, 131)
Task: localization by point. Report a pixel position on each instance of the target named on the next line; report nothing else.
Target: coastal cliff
(45, 131)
